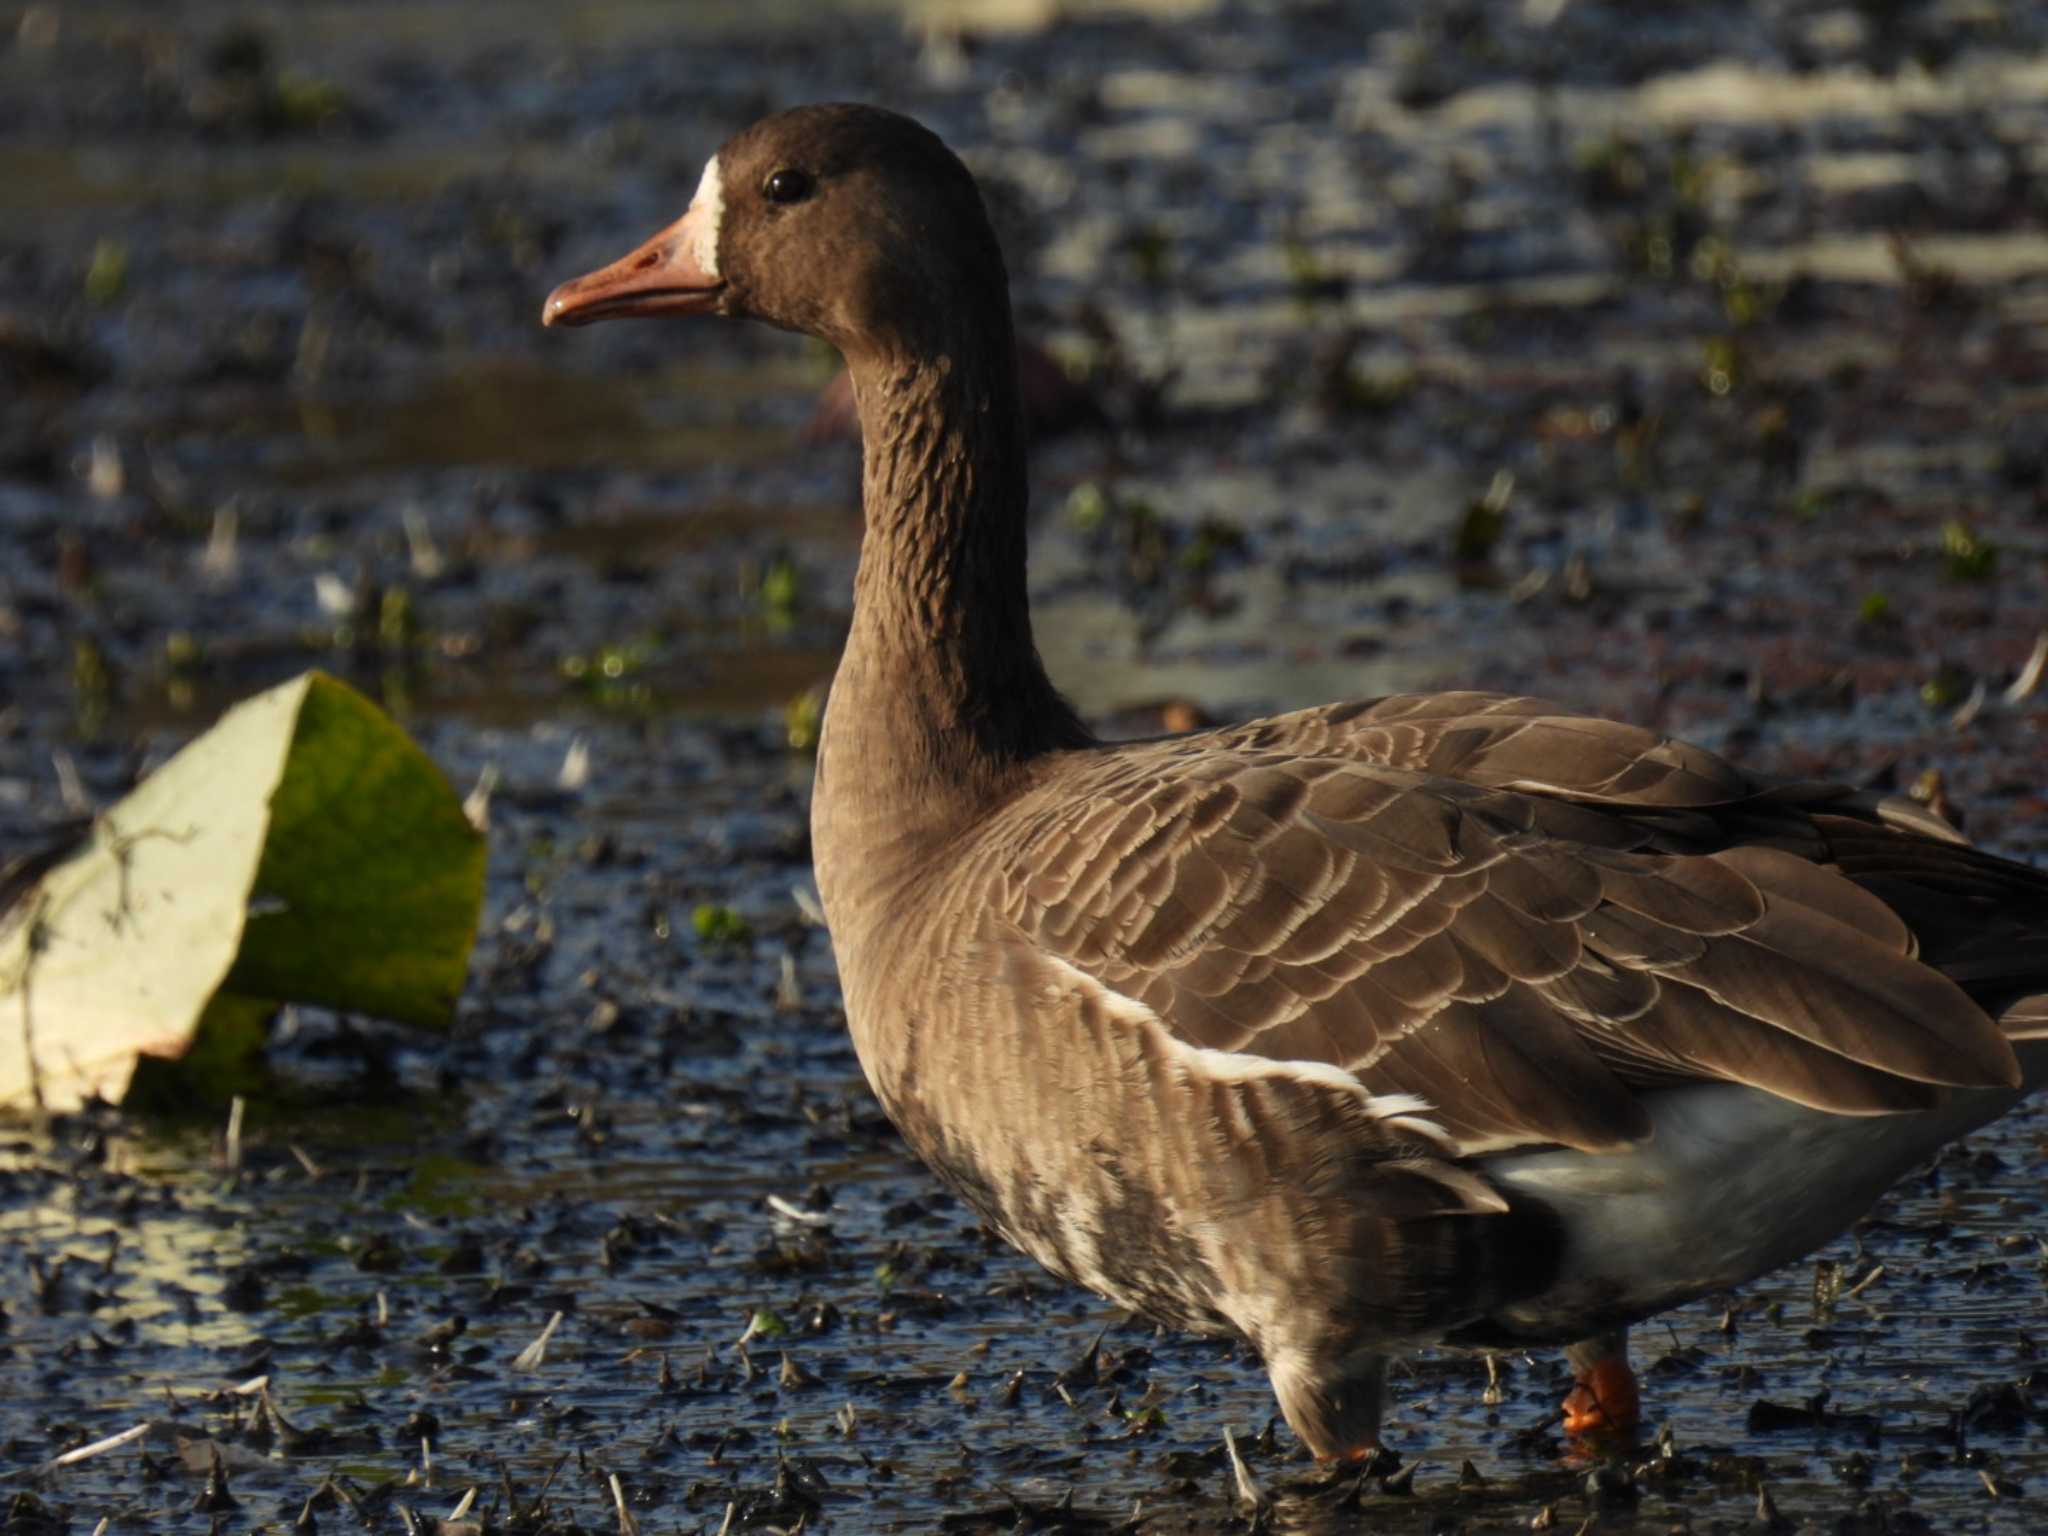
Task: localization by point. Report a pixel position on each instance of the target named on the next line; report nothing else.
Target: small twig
(575, 772)
(71, 788)
(628, 1526)
(808, 905)
(2024, 686)
(236, 1107)
(476, 806)
(285, 1426)
(1247, 1491)
(561, 1461)
(97, 1448)
(794, 1212)
(535, 1354)
(1972, 707)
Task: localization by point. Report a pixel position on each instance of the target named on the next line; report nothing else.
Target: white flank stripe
(709, 204)
(1402, 1109)
(1242, 1067)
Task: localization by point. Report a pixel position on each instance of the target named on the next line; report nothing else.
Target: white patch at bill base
(706, 213)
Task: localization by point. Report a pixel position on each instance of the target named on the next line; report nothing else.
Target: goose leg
(1604, 1400)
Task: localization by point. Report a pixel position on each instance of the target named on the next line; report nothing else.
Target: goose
(1441, 1019)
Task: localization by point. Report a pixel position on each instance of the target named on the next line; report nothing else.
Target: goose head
(849, 223)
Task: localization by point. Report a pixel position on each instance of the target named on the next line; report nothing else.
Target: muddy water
(1732, 313)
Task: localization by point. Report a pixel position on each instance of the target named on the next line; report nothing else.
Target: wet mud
(1689, 367)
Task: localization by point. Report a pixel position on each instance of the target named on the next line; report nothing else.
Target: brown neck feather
(941, 701)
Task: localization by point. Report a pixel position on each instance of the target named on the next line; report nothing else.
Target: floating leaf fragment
(303, 850)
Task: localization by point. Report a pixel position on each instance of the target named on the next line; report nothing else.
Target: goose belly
(1732, 1182)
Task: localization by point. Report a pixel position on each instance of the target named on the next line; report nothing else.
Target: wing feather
(1528, 919)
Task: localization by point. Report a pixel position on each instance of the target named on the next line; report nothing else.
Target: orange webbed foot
(1359, 1456)
(1605, 1400)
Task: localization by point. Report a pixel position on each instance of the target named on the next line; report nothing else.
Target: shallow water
(277, 398)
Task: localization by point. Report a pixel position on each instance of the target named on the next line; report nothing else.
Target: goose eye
(789, 186)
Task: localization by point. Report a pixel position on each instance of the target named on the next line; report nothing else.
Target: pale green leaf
(303, 850)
